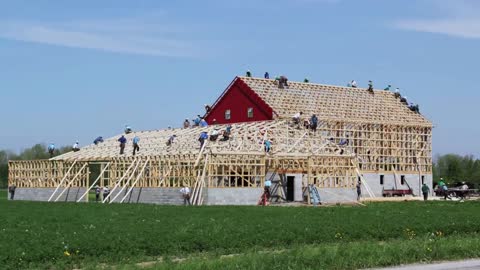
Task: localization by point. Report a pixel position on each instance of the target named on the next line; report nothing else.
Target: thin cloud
(465, 28)
(459, 19)
(131, 39)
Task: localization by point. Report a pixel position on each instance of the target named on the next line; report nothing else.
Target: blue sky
(78, 69)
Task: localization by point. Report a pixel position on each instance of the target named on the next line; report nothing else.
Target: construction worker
(98, 140)
(296, 118)
(425, 191)
(97, 193)
(214, 134)
(122, 141)
(11, 190)
(313, 122)
(196, 121)
(370, 86)
(202, 138)
(185, 191)
(128, 129)
(359, 190)
(135, 141)
(266, 75)
(186, 123)
(248, 74)
(397, 93)
(75, 147)
(207, 108)
(268, 146)
(203, 123)
(106, 192)
(283, 81)
(51, 149)
(387, 88)
(171, 139)
(306, 80)
(404, 100)
(353, 84)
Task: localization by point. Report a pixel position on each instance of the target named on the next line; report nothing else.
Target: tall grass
(63, 235)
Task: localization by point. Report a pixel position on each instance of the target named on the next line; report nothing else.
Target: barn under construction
(361, 136)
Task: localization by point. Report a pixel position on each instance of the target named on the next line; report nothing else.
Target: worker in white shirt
(353, 84)
(75, 147)
(185, 191)
(296, 118)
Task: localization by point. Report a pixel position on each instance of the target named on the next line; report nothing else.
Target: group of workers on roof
(199, 121)
(282, 82)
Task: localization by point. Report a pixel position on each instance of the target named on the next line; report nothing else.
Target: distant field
(67, 235)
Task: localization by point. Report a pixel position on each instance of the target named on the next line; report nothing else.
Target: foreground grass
(67, 235)
(348, 255)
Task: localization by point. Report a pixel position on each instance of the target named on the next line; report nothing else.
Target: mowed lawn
(67, 235)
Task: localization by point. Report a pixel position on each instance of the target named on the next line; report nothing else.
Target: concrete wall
(167, 196)
(373, 181)
(42, 194)
(233, 196)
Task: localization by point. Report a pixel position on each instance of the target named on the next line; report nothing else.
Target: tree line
(451, 167)
(38, 151)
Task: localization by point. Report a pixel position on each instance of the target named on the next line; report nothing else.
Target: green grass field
(67, 235)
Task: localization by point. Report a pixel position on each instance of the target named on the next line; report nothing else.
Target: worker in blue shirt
(51, 149)
(196, 121)
(203, 123)
(122, 141)
(203, 137)
(136, 148)
(98, 140)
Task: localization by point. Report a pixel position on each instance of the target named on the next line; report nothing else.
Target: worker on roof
(306, 80)
(248, 74)
(370, 86)
(268, 146)
(122, 140)
(135, 141)
(128, 129)
(388, 87)
(214, 134)
(196, 121)
(202, 138)
(296, 118)
(98, 140)
(75, 147)
(313, 122)
(353, 84)
(203, 123)
(51, 149)
(284, 81)
(186, 123)
(207, 108)
(397, 92)
(404, 100)
(171, 139)
(266, 75)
